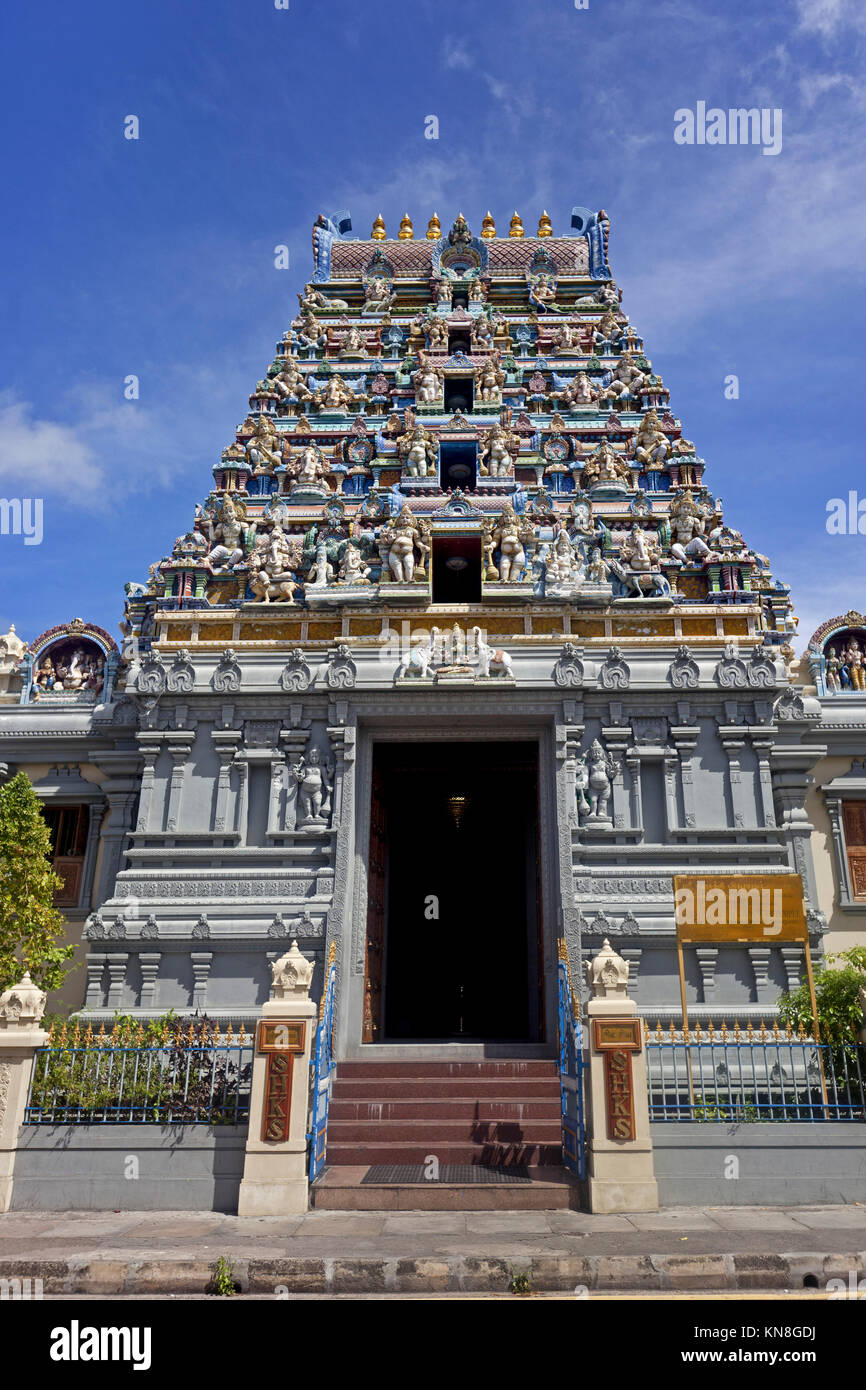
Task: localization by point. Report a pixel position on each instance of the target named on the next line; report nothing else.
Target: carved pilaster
(95, 966)
(633, 764)
(342, 739)
(243, 797)
(616, 740)
(685, 738)
(792, 960)
(149, 963)
(760, 958)
(732, 740)
(226, 744)
(632, 955)
(117, 964)
(763, 747)
(150, 752)
(179, 756)
(707, 960)
(96, 811)
(275, 795)
(201, 964)
(670, 775)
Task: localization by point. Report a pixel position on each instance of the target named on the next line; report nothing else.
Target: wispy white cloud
(40, 455)
(830, 17)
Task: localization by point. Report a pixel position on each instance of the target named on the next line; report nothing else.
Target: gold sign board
(280, 1035)
(739, 907)
(716, 908)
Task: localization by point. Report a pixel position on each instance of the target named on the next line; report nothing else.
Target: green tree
(837, 994)
(30, 924)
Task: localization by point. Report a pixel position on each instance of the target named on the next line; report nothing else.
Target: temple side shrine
(459, 659)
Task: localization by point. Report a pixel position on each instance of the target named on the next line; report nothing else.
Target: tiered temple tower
(458, 656)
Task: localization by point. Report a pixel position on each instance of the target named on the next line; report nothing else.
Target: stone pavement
(678, 1248)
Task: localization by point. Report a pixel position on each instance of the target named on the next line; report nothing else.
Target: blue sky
(155, 257)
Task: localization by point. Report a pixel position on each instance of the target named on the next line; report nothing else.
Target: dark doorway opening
(459, 394)
(456, 569)
(459, 340)
(460, 873)
(457, 464)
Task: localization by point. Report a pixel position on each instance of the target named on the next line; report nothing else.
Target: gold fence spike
(763, 1032)
(230, 1032)
(242, 1035)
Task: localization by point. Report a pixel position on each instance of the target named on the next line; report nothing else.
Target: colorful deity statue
(429, 382)
(489, 380)
(335, 395)
(417, 449)
(228, 537)
(626, 379)
(264, 449)
(399, 541)
(289, 382)
(832, 671)
(651, 447)
(498, 452)
(511, 535)
(606, 468)
(854, 660)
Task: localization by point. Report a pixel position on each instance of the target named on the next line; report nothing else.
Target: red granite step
(492, 1155)
(457, 1088)
(446, 1108)
(436, 1131)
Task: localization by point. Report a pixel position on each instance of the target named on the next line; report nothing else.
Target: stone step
(445, 1109)
(456, 1088)
(491, 1155)
(500, 1067)
(435, 1132)
(341, 1189)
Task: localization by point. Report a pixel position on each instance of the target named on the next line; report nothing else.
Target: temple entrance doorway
(453, 921)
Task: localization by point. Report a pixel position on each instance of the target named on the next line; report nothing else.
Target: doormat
(409, 1174)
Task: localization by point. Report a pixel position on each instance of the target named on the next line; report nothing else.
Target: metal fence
(750, 1074)
(193, 1076)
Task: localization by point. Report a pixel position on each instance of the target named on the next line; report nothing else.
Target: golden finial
(230, 1036)
(516, 227)
(242, 1035)
(434, 228)
(488, 226)
(378, 233)
(406, 232)
(545, 226)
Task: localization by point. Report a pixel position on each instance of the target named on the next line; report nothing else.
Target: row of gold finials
(434, 228)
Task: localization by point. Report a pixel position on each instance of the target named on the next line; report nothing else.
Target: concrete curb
(580, 1275)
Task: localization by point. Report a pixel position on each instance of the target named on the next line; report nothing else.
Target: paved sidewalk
(375, 1252)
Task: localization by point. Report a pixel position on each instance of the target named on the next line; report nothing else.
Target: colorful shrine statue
(563, 565)
(309, 467)
(335, 395)
(640, 549)
(230, 535)
(489, 380)
(626, 379)
(832, 670)
(417, 449)
(596, 570)
(608, 329)
(497, 453)
(399, 542)
(289, 382)
(264, 448)
(651, 444)
(271, 567)
(429, 382)
(477, 292)
(854, 660)
(605, 467)
(436, 330)
(379, 295)
(510, 534)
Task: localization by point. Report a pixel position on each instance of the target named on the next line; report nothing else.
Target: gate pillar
(275, 1168)
(620, 1150)
(21, 1008)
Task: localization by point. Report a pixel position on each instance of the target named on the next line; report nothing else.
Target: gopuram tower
(458, 658)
